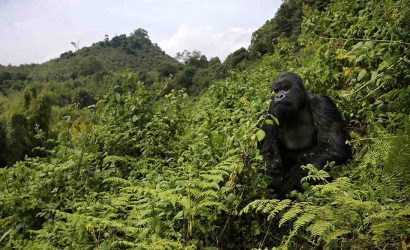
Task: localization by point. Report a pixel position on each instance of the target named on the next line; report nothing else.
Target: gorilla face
(289, 96)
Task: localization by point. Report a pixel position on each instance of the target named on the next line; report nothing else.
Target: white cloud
(210, 41)
(36, 30)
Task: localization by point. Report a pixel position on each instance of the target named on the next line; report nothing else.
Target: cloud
(37, 30)
(210, 41)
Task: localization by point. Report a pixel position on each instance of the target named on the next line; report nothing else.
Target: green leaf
(260, 135)
(179, 215)
(134, 118)
(5, 234)
(217, 139)
(275, 120)
(269, 122)
(361, 74)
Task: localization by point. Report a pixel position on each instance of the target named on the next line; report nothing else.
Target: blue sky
(34, 31)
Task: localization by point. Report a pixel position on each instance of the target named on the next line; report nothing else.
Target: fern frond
(160, 245)
(218, 171)
(303, 220)
(314, 174)
(403, 213)
(123, 244)
(282, 205)
(212, 177)
(118, 180)
(290, 214)
(258, 205)
(334, 234)
(320, 227)
(208, 193)
(207, 203)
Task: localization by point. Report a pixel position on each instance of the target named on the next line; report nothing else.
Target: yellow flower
(170, 94)
(341, 54)
(346, 71)
(89, 227)
(243, 100)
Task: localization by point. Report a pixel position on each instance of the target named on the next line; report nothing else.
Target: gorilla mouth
(281, 103)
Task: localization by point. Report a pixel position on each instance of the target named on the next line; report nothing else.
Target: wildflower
(346, 71)
(243, 100)
(89, 227)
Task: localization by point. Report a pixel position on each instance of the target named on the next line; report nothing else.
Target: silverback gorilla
(310, 130)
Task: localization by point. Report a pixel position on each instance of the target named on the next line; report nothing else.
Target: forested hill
(99, 62)
(155, 166)
(93, 69)
(135, 52)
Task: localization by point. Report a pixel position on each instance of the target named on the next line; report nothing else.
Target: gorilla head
(289, 96)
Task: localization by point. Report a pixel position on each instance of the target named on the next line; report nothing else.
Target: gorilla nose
(279, 96)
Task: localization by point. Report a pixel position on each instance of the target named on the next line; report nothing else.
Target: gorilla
(310, 130)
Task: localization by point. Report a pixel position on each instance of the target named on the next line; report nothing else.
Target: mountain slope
(135, 52)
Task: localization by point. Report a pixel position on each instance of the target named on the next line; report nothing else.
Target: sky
(35, 31)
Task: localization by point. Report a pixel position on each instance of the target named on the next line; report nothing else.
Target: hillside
(101, 62)
(44, 95)
(105, 61)
(148, 169)
(135, 52)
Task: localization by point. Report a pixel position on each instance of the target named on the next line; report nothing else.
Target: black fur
(310, 130)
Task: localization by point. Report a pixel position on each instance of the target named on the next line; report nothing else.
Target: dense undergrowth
(148, 171)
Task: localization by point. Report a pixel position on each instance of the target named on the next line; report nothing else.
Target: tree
(236, 59)
(89, 65)
(141, 33)
(166, 69)
(29, 94)
(18, 138)
(186, 55)
(76, 45)
(119, 41)
(84, 98)
(3, 145)
(185, 77)
(39, 113)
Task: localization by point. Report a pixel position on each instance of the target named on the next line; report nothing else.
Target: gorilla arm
(331, 140)
(269, 149)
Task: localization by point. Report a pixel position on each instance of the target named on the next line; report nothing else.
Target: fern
(291, 214)
(270, 207)
(118, 181)
(314, 175)
(320, 228)
(302, 221)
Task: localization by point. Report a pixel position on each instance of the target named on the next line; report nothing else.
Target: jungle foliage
(145, 168)
(82, 77)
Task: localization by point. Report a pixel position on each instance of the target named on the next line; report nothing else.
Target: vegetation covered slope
(43, 94)
(93, 69)
(149, 171)
(135, 52)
